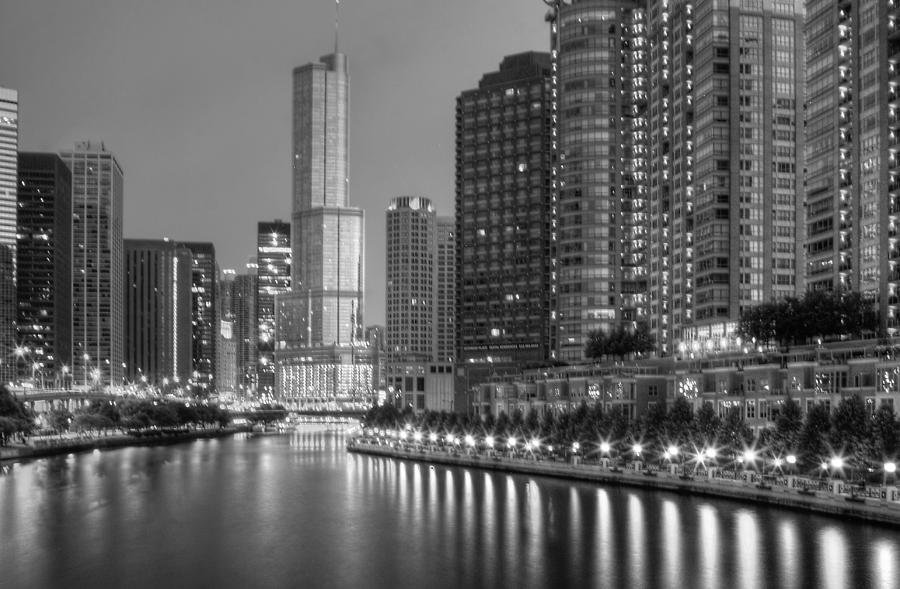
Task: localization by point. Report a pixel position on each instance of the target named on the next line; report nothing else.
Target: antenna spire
(337, 5)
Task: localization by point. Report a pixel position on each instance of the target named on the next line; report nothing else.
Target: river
(297, 510)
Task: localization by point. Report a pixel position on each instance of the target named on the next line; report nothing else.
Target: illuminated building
(727, 149)
(9, 145)
(98, 265)
(603, 207)
(273, 276)
(44, 252)
(320, 354)
(158, 311)
(204, 279)
(852, 194)
(419, 304)
(506, 218)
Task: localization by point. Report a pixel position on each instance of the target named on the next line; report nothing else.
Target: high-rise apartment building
(852, 194)
(44, 252)
(98, 265)
(603, 207)
(243, 309)
(419, 295)
(205, 277)
(726, 149)
(506, 214)
(273, 277)
(320, 354)
(9, 146)
(158, 312)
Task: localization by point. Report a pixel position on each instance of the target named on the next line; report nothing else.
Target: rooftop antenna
(337, 5)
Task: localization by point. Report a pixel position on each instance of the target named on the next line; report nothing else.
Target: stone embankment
(40, 448)
(875, 504)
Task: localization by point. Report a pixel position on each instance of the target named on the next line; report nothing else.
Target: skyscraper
(205, 277)
(852, 191)
(273, 254)
(603, 222)
(9, 145)
(726, 149)
(158, 309)
(44, 251)
(98, 265)
(419, 301)
(506, 213)
(320, 352)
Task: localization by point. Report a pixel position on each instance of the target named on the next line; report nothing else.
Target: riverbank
(782, 495)
(54, 447)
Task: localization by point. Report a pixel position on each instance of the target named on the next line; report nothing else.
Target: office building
(158, 313)
(44, 281)
(9, 146)
(273, 277)
(320, 353)
(506, 216)
(98, 265)
(205, 276)
(419, 299)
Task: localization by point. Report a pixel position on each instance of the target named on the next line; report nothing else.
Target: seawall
(873, 510)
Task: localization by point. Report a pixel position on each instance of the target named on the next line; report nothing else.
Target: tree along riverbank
(51, 446)
(829, 496)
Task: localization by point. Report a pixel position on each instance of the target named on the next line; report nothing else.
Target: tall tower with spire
(320, 355)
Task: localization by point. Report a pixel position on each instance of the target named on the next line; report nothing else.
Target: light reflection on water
(296, 510)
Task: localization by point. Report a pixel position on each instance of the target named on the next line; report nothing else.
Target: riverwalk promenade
(830, 496)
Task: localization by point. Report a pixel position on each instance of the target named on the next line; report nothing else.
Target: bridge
(42, 399)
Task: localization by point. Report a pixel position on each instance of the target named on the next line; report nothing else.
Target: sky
(194, 99)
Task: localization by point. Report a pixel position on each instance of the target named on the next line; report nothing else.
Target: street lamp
(889, 469)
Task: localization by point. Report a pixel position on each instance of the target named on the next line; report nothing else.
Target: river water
(298, 511)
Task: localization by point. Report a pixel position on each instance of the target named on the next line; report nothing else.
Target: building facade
(418, 297)
(158, 313)
(243, 310)
(603, 221)
(506, 218)
(852, 194)
(319, 323)
(9, 146)
(726, 151)
(98, 265)
(273, 277)
(44, 273)
(205, 278)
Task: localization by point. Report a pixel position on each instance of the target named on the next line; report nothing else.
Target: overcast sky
(194, 98)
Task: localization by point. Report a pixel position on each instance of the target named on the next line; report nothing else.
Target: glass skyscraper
(319, 345)
(9, 145)
(98, 265)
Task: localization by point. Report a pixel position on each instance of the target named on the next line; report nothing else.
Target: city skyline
(170, 105)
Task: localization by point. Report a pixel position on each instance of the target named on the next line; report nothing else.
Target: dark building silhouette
(44, 249)
(158, 312)
(505, 219)
(273, 276)
(205, 325)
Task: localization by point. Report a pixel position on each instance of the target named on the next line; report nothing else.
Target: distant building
(506, 211)
(273, 277)
(226, 359)
(9, 146)
(98, 265)
(419, 301)
(243, 308)
(44, 251)
(205, 275)
(158, 312)
(320, 355)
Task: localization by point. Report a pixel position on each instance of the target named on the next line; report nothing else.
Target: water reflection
(297, 510)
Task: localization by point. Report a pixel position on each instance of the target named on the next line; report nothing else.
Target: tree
(885, 434)
(15, 418)
(850, 429)
(733, 432)
(812, 441)
(788, 425)
(680, 421)
(707, 424)
(60, 418)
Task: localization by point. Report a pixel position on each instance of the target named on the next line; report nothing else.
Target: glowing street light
(605, 447)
